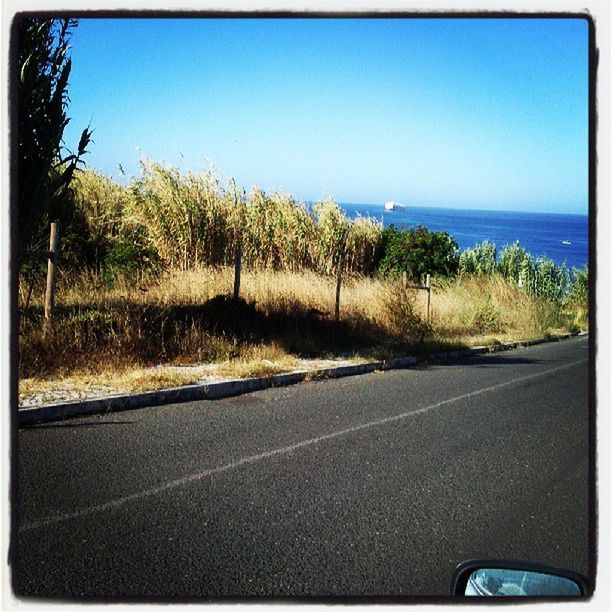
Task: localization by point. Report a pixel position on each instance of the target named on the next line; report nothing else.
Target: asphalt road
(371, 485)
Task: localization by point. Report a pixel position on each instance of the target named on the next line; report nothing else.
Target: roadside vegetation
(146, 266)
(128, 296)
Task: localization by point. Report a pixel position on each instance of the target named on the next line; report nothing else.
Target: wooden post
(338, 284)
(238, 236)
(405, 280)
(428, 285)
(237, 266)
(30, 288)
(51, 264)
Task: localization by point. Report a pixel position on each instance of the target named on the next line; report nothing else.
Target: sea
(564, 238)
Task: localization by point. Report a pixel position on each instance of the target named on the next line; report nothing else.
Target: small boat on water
(391, 205)
(566, 242)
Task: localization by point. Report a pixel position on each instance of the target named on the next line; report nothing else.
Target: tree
(418, 251)
(45, 167)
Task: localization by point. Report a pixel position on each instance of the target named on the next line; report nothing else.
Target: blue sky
(472, 113)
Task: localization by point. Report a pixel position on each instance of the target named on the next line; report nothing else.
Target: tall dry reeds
(192, 220)
(277, 232)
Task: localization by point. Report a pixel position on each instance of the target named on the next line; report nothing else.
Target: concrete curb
(228, 388)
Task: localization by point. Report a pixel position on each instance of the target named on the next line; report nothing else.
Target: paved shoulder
(377, 484)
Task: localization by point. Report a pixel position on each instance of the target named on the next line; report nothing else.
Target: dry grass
(180, 318)
(111, 382)
(113, 336)
(361, 296)
(114, 331)
(126, 380)
(484, 308)
(259, 360)
(255, 361)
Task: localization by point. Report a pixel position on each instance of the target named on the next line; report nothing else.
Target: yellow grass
(475, 311)
(111, 382)
(107, 382)
(260, 360)
(472, 309)
(361, 296)
(483, 308)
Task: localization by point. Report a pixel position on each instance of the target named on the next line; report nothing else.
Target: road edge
(229, 388)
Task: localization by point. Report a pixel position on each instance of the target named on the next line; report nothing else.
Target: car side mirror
(502, 578)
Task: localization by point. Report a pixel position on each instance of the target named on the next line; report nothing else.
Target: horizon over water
(540, 234)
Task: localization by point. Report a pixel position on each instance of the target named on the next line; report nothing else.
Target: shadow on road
(73, 425)
(484, 361)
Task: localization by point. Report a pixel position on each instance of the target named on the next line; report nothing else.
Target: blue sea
(561, 237)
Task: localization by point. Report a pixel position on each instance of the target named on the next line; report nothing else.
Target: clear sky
(473, 113)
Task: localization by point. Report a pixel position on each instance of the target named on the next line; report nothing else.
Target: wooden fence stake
(51, 267)
(428, 285)
(237, 267)
(338, 284)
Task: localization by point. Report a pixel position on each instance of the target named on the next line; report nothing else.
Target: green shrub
(417, 251)
(551, 281)
(485, 318)
(578, 295)
(405, 320)
(126, 258)
(480, 259)
(511, 260)
(539, 277)
(527, 275)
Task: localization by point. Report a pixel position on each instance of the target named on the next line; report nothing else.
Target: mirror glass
(511, 583)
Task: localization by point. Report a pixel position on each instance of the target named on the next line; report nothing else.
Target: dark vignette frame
(13, 553)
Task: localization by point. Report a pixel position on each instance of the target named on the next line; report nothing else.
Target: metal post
(51, 265)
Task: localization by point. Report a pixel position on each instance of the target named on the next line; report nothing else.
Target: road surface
(372, 485)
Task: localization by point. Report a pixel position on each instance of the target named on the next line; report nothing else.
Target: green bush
(551, 281)
(485, 318)
(539, 277)
(578, 295)
(128, 257)
(406, 321)
(480, 259)
(511, 260)
(417, 251)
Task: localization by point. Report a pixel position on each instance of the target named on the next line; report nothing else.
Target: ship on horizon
(391, 205)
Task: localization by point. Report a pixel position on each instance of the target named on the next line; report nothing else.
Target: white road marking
(173, 484)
